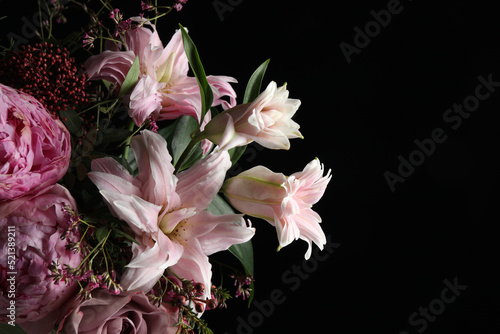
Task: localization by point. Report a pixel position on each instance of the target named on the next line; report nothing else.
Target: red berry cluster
(46, 72)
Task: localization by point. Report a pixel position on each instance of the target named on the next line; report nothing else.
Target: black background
(396, 247)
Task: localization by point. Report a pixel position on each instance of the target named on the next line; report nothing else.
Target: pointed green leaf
(255, 83)
(126, 236)
(72, 121)
(181, 136)
(236, 152)
(131, 78)
(101, 233)
(193, 57)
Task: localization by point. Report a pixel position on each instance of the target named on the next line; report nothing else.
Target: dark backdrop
(400, 100)
(396, 250)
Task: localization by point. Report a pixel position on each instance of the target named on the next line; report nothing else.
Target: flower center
(175, 224)
(179, 233)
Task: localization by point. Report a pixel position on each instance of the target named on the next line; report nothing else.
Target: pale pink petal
(181, 98)
(180, 61)
(108, 174)
(286, 229)
(145, 43)
(170, 220)
(156, 172)
(313, 183)
(112, 66)
(194, 265)
(141, 215)
(228, 230)
(309, 231)
(199, 184)
(221, 87)
(150, 261)
(145, 99)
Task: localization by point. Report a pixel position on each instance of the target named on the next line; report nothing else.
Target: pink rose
(124, 313)
(30, 241)
(34, 148)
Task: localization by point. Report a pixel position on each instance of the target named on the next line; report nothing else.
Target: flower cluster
(46, 72)
(117, 234)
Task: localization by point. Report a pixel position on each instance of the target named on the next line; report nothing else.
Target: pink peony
(37, 223)
(167, 212)
(164, 89)
(34, 148)
(267, 120)
(124, 313)
(285, 202)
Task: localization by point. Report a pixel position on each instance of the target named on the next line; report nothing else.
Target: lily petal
(199, 184)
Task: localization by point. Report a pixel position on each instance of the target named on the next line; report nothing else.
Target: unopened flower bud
(212, 303)
(199, 307)
(180, 300)
(199, 288)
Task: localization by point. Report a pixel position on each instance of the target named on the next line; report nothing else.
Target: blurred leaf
(106, 83)
(194, 155)
(101, 233)
(168, 131)
(126, 236)
(8, 329)
(116, 135)
(131, 78)
(207, 96)
(72, 121)
(181, 136)
(236, 152)
(255, 83)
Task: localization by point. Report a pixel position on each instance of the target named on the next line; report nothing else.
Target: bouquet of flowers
(114, 185)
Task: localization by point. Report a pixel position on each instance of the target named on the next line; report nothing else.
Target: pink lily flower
(284, 202)
(167, 212)
(164, 89)
(267, 121)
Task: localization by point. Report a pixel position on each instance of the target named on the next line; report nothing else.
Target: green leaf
(126, 236)
(255, 83)
(107, 84)
(181, 136)
(236, 152)
(101, 233)
(72, 121)
(9, 329)
(131, 78)
(193, 57)
(193, 156)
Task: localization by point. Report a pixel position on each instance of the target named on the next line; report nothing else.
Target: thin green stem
(126, 149)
